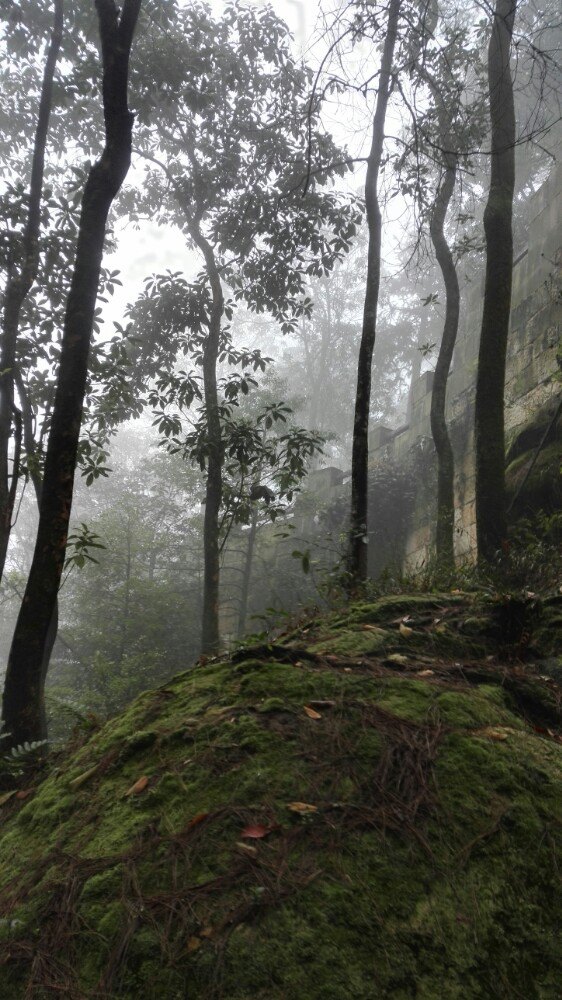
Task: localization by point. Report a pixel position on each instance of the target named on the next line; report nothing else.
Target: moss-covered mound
(369, 807)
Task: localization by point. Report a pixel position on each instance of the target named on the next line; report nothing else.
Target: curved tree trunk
(210, 634)
(491, 518)
(20, 280)
(247, 575)
(444, 538)
(358, 538)
(24, 686)
(210, 631)
(210, 638)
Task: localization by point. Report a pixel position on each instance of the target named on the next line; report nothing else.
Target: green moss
(409, 699)
(420, 865)
(483, 707)
(386, 608)
(348, 642)
(271, 705)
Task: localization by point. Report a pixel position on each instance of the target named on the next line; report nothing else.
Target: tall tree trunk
(358, 538)
(124, 639)
(444, 538)
(247, 574)
(31, 449)
(491, 518)
(20, 280)
(210, 633)
(249, 560)
(210, 637)
(23, 691)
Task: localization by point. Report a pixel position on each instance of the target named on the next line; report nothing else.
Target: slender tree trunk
(415, 373)
(358, 538)
(249, 560)
(444, 539)
(491, 518)
(210, 632)
(31, 450)
(127, 601)
(20, 279)
(24, 691)
(210, 637)
(247, 574)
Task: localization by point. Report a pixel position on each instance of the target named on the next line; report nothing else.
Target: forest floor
(368, 806)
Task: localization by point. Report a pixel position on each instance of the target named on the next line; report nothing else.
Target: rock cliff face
(368, 807)
(402, 527)
(533, 388)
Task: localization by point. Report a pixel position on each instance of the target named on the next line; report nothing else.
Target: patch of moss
(353, 642)
(385, 609)
(412, 825)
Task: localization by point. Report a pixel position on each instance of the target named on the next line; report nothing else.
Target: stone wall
(534, 344)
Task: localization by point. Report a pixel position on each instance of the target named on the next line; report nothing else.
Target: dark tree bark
(210, 630)
(124, 639)
(210, 636)
(20, 280)
(444, 538)
(358, 548)
(491, 519)
(247, 574)
(23, 692)
(31, 450)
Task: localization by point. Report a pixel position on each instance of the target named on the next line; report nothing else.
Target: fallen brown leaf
(257, 831)
(302, 807)
(196, 820)
(24, 793)
(492, 733)
(311, 712)
(138, 787)
(6, 796)
(193, 944)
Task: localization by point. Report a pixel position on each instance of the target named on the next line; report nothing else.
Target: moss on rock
(410, 813)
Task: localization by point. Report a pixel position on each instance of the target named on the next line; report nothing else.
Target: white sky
(155, 249)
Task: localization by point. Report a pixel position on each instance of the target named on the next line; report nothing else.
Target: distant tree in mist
(226, 165)
(434, 49)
